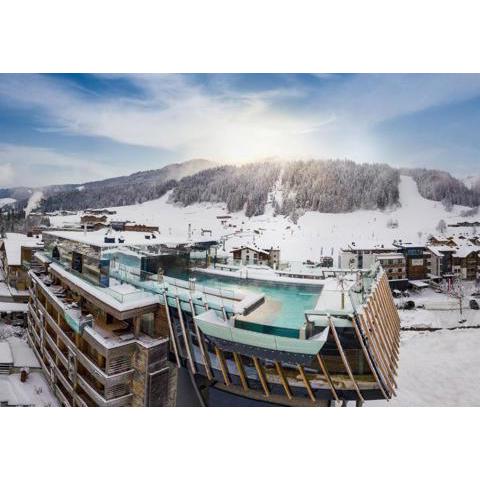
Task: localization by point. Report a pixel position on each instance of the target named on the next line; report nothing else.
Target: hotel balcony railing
(120, 297)
(96, 371)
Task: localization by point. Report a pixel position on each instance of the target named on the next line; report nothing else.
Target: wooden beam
(201, 344)
(372, 335)
(390, 323)
(385, 300)
(388, 342)
(385, 345)
(366, 354)
(261, 376)
(344, 358)
(307, 383)
(395, 319)
(223, 365)
(172, 333)
(324, 369)
(185, 338)
(241, 370)
(375, 344)
(283, 380)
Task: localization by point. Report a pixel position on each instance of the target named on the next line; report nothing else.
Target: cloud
(34, 166)
(7, 173)
(329, 116)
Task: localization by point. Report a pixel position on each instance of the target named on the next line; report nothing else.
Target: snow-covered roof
(465, 250)
(365, 246)
(13, 246)
(250, 247)
(9, 307)
(97, 238)
(6, 353)
(439, 250)
(102, 293)
(390, 256)
(22, 354)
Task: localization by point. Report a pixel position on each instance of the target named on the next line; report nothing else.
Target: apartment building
(417, 259)
(466, 262)
(252, 255)
(394, 266)
(100, 341)
(363, 256)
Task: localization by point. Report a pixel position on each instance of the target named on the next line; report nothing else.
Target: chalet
(86, 219)
(124, 226)
(252, 255)
(135, 227)
(442, 240)
(100, 211)
(466, 262)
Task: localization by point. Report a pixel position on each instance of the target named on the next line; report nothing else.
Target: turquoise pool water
(288, 302)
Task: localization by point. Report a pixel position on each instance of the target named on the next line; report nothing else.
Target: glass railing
(117, 295)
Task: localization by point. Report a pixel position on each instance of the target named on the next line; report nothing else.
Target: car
(474, 304)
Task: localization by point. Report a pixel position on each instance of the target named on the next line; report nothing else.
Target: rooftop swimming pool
(284, 305)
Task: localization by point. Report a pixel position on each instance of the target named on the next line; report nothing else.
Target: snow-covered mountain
(315, 233)
(472, 182)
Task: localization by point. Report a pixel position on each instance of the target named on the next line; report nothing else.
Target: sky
(73, 128)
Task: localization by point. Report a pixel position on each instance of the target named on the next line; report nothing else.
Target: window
(147, 324)
(77, 261)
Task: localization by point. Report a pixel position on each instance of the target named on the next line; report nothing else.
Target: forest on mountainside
(443, 187)
(245, 186)
(329, 186)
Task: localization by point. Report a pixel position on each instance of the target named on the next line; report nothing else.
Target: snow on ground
(6, 201)
(33, 392)
(316, 233)
(439, 368)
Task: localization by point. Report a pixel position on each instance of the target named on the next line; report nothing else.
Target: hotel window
(77, 261)
(148, 324)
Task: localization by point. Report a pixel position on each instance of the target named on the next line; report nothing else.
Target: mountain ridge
(329, 186)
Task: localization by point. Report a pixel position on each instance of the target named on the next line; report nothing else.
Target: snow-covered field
(438, 369)
(315, 234)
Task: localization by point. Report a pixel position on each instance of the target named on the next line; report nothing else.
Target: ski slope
(315, 234)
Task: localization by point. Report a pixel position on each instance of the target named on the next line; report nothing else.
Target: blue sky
(76, 128)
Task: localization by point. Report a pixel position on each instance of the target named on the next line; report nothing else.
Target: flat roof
(97, 238)
(13, 246)
(381, 247)
(103, 295)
